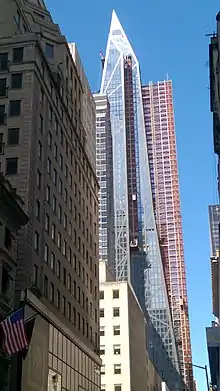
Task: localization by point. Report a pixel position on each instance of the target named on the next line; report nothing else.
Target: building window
(60, 212)
(69, 282)
(3, 88)
(102, 331)
(2, 115)
(15, 108)
(65, 221)
(115, 294)
(41, 124)
(36, 241)
(60, 186)
(40, 149)
(47, 223)
(117, 387)
(53, 232)
(16, 80)
(59, 240)
(35, 275)
(58, 299)
(3, 61)
(45, 286)
(37, 209)
(79, 321)
(102, 313)
(116, 311)
(55, 176)
(117, 349)
(101, 295)
(70, 229)
(52, 261)
(103, 387)
(48, 194)
(46, 253)
(64, 276)
(13, 136)
(11, 166)
(49, 166)
(54, 204)
(64, 306)
(102, 350)
(58, 269)
(103, 370)
(49, 50)
(55, 151)
(18, 55)
(1, 144)
(38, 179)
(52, 292)
(64, 248)
(117, 369)
(116, 330)
(69, 311)
(50, 140)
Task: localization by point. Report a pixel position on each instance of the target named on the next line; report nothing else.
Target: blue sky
(168, 37)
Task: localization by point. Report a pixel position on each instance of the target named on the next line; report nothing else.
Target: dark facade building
(12, 218)
(45, 159)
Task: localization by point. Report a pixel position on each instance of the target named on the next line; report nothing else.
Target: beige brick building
(45, 160)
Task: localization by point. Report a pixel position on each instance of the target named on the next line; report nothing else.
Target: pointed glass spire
(122, 83)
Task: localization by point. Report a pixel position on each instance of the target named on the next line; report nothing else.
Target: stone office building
(45, 159)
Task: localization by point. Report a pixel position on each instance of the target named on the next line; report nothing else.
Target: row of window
(14, 110)
(72, 286)
(17, 57)
(55, 265)
(57, 209)
(55, 297)
(116, 330)
(116, 369)
(115, 294)
(117, 387)
(116, 350)
(16, 83)
(115, 311)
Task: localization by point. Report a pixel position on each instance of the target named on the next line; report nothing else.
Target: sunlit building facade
(137, 250)
(104, 172)
(161, 142)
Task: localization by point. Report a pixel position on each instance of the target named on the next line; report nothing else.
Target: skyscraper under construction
(137, 251)
(161, 142)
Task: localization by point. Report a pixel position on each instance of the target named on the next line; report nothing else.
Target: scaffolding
(160, 131)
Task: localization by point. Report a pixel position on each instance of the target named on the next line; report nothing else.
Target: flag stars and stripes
(15, 339)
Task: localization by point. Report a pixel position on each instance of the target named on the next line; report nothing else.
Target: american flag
(14, 334)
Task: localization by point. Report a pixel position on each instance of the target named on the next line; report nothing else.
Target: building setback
(104, 172)
(160, 133)
(45, 159)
